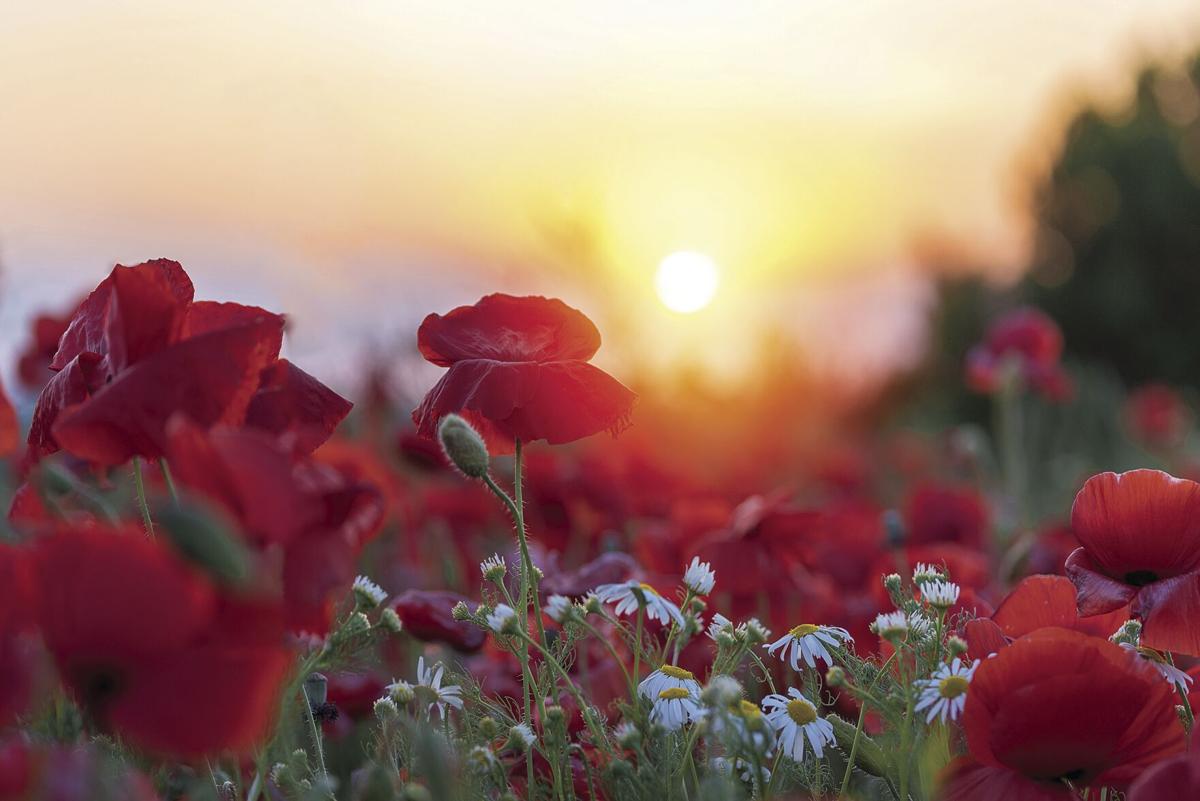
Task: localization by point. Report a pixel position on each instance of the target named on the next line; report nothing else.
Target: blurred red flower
(139, 350)
(10, 434)
(519, 370)
(942, 513)
(1157, 416)
(152, 648)
(33, 365)
(1140, 538)
(32, 771)
(1032, 342)
(426, 616)
(1060, 706)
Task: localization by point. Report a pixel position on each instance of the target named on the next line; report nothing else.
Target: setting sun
(686, 281)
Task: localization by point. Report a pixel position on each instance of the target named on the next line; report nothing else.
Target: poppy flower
(1038, 602)
(1157, 416)
(1028, 339)
(519, 370)
(426, 616)
(315, 514)
(1060, 706)
(33, 364)
(152, 648)
(938, 513)
(139, 350)
(1177, 777)
(1140, 538)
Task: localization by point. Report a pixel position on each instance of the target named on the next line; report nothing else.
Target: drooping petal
(1140, 525)
(291, 402)
(557, 402)
(71, 385)
(1096, 593)
(510, 329)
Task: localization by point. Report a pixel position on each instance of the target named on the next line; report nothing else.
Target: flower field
(220, 579)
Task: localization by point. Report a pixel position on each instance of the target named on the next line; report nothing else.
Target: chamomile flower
(810, 642)
(924, 573)
(718, 624)
(673, 707)
(1169, 672)
(940, 594)
(699, 577)
(945, 693)
(521, 737)
(668, 677)
(558, 608)
(795, 720)
(401, 692)
(891, 625)
(502, 619)
(367, 594)
(743, 767)
(493, 568)
(630, 595)
(429, 685)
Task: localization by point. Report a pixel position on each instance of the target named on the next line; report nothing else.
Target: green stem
(169, 480)
(571, 688)
(314, 730)
(140, 488)
(637, 644)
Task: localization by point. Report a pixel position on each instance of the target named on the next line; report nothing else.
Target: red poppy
(1059, 706)
(33, 365)
(10, 433)
(1177, 777)
(1140, 538)
(939, 513)
(139, 350)
(152, 648)
(1157, 416)
(519, 370)
(1032, 342)
(1038, 602)
(426, 616)
(316, 515)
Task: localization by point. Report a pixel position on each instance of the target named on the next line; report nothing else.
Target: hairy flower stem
(315, 731)
(637, 645)
(906, 733)
(140, 488)
(862, 717)
(169, 480)
(571, 688)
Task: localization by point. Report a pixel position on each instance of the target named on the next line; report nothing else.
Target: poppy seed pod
(463, 446)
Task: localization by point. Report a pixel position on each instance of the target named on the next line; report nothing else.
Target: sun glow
(686, 281)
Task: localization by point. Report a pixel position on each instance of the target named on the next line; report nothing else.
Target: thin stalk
(616, 658)
(169, 480)
(140, 488)
(637, 643)
(315, 731)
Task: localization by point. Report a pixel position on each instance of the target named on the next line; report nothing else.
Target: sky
(360, 164)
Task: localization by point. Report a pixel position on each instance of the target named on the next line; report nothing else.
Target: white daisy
(795, 719)
(940, 594)
(521, 737)
(674, 707)
(493, 568)
(699, 577)
(367, 593)
(668, 677)
(401, 692)
(630, 595)
(558, 607)
(502, 619)
(945, 693)
(429, 685)
(1169, 672)
(923, 573)
(810, 642)
(890, 624)
(718, 624)
(744, 768)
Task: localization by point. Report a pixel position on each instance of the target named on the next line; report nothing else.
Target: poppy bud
(316, 688)
(463, 446)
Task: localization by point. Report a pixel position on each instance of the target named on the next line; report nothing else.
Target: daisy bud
(891, 625)
(503, 620)
(401, 692)
(386, 710)
(698, 606)
(555, 715)
(722, 691)
(699, 577)
(956, 646)
(521, 738)
(924, 573)
(481, 760)
(367, 594)
(1130, 632)
(756, 632)
(463, 446)
(592, 604)
(493, 568)
(725, 639)
(627, 736)
(489, 728)
(835, 677)
(415, 792)
(892, 583)
(390, 621)
(460, 612)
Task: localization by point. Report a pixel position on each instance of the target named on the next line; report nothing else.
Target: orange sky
(358, 164)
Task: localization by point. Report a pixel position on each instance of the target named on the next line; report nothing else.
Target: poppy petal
(510, 329)
(10, 433)
(967, 780)
(1042, 601)
(1096, 593)
(1169, 610)
(71, 385)
(290, 401)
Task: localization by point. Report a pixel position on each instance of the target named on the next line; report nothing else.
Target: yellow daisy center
(803, 630)
(647, 588)
(677, 672)
(952, 686)
(801, 711)
(748, 710)
(672, 693)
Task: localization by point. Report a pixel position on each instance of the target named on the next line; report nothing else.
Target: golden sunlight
(686, 281)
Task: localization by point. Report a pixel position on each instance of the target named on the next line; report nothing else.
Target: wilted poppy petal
(1096, 593)
(210, 378)
(89, 326)
(290, 401)
(509, 329)
(1140, 525)
(556, 401)
(967, 780)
